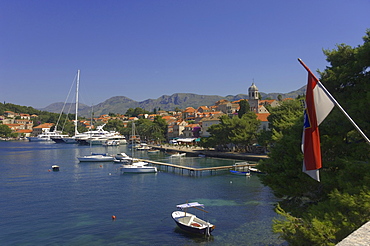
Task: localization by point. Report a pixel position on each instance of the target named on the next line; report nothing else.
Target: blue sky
(144, 49)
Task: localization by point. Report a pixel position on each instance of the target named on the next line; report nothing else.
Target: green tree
(136, 112)
(243, 108)
(114, 125)
(233, 132)
(5, 131)
(323, 213)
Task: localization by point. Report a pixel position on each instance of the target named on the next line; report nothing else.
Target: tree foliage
(324, 213)
(236, 132)
(136, 112)
(5, 131)
(148, 130)
(243, 108)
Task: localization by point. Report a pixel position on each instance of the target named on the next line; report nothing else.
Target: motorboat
(96, 158)
(143, 146)
(153, 151)
(178, 155)
(122, 158)
(137, 166)
(111, 142)
(55, 168)
(190, 222)
(242, 173)
(255, 170)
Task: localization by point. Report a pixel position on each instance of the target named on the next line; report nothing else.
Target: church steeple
(253, 92)
(253, 98)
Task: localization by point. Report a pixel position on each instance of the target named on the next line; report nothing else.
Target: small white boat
(190, 222)
(143, 146)
(122, 156)
(95, 158)
(153, 151)
(136, 166)
(55, 168)
(178, 155)
(111, 142)
(255, 170)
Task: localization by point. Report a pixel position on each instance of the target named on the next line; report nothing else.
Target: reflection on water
(75, 205)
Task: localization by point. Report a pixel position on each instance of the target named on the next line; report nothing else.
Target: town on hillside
(189, 123)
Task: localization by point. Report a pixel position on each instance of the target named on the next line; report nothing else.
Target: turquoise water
(75, 205)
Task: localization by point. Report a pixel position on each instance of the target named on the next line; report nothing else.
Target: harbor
(75, 205)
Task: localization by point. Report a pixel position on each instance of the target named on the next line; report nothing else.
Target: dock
(197, 151)
(192, 170)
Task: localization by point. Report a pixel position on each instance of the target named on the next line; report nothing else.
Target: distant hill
(120, 104)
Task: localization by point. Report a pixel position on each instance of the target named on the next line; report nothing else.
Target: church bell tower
(253, 98)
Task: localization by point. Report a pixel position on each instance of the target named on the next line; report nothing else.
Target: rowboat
(190, 222)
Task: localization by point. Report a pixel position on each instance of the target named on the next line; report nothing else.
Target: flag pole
(336, 103)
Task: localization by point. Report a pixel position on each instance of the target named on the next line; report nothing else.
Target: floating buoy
(113, 217)
(101, 166)
(49, 170)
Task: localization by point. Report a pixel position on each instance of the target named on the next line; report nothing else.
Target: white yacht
(47, 136)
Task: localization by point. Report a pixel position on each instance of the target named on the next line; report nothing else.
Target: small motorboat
(55, 168)
(95, 158)
(137, 166)
(190, 222)
(111, 142)
(143, 146)
(178, 155)
(122, 158)
(247, 173)
(153, 151)
(255, 170)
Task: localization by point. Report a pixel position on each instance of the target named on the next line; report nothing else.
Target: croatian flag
(318, 106)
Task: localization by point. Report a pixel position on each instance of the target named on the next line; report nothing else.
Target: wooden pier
(196, 151)
(195, 171)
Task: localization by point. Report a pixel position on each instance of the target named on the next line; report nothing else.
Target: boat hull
(95, 158)
(138, 169)
(240, 173)
(36, 139)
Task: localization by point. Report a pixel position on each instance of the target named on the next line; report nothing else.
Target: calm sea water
(75, 205)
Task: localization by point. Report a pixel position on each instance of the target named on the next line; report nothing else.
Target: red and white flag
(318, 106)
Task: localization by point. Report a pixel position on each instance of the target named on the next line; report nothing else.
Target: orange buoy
(113, 217)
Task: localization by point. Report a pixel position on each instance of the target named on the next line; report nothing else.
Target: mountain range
(120, 104)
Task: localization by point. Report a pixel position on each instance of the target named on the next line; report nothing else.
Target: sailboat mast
(77, 85)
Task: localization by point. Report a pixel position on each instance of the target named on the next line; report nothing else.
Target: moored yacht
(47, 136)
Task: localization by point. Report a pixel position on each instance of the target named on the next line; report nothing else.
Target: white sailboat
(98, 136)
(135, 165)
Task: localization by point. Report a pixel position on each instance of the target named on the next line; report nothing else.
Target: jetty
(198, 151)
(195, 171)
